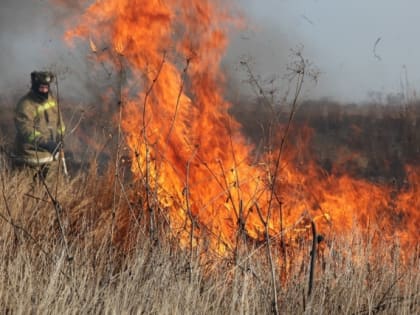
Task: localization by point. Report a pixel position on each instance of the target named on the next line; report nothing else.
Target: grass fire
(183, 200)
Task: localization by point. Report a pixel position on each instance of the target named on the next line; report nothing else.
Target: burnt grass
(370, 141)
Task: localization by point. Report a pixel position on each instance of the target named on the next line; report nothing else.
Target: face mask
(39, 78)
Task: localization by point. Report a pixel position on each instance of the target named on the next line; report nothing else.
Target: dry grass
(160, 278)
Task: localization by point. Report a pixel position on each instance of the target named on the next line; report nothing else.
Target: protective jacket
(39, 126)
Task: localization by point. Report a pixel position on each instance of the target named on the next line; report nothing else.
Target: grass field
(96, 274)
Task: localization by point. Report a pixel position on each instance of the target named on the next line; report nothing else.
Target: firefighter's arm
(26, 122)
(61, 127)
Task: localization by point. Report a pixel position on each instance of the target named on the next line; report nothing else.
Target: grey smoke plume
(26, 42)
(31, 39)
(266, 51)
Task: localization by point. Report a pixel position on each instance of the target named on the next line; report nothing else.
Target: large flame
(189, 152)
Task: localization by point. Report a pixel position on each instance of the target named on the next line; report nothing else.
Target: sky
(361, 48)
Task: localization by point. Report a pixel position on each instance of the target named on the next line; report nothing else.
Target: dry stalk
(178, 99)
(300, 76)
(225, 189)
(299, 73)
(152, 214)
(313, 257)
(234, 206)
(190, 214)
(265, 222)
(240, 234)
(282, 241)
(6, 203)
(52, 258)
(383, 303)
(117, 157)
(78, 122)
(16, 227)
(58, 210)
(254, 82)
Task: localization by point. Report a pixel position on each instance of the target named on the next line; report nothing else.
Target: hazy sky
(358, 45)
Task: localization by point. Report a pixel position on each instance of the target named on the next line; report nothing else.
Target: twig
(389, 302)
(36, 198)
(7, 205)
(58, 209)
(48, 255)
(270, 257)
(241, 218)
(300, 72)
(178, 99)
(147, 150)
(282, 241)
(61, 160)
(117, 158)
(189, 213)
(381, 304)
(76, 125)
(374, 49)
(253, 80)
(313, 257)
(29, 235)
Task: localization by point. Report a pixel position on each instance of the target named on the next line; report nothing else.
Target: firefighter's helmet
(41, 77)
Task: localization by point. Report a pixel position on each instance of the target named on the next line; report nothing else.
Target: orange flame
(190, 152)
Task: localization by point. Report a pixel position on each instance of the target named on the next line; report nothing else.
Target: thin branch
(117, 157)
(48, 255)
(58, 210)
(254, 81)
(147, 150)
(178, 99)
(313, 258)
(189, 212)
(270, 258)
(7, 204)
(374, 49)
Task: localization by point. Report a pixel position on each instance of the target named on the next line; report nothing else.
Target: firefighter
(39, 128)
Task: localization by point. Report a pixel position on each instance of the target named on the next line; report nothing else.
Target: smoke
(31, 39)
(264, 51)
(26, 42)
